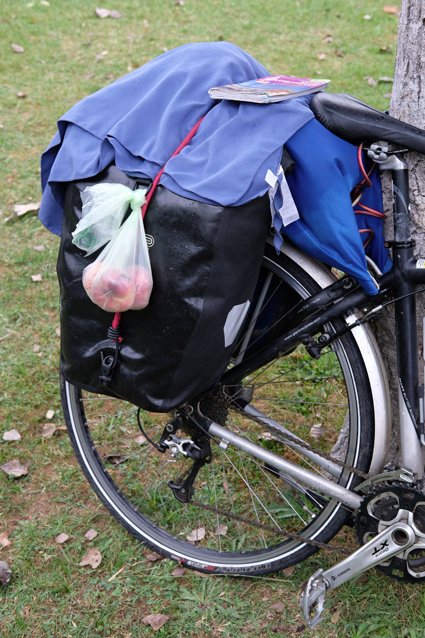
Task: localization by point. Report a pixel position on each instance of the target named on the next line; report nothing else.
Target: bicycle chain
(286, 534)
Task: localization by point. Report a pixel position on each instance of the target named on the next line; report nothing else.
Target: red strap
(160, 172)
(117, 316)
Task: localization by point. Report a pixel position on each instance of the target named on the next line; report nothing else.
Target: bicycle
(266, 467)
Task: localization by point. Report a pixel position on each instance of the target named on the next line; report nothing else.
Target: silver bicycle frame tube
(310, 479)
(280, 432)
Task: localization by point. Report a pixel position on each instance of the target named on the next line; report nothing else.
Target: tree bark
(408, 104)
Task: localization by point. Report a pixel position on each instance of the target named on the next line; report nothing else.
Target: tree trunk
(408, 104)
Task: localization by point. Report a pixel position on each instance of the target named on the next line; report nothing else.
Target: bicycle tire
(131, 478)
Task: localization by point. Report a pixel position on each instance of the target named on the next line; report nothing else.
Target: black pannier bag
(205, 263)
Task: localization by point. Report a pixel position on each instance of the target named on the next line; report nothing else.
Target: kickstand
(182, 488)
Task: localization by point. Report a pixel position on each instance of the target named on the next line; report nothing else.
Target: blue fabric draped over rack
(139, 120)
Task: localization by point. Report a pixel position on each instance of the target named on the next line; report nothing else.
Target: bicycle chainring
(384, 505)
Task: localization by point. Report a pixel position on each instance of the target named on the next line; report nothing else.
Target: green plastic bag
(104, 208)
(120, 279)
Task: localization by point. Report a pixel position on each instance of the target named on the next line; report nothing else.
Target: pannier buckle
(108, 365)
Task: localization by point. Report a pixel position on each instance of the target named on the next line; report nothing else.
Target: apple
(142, 283)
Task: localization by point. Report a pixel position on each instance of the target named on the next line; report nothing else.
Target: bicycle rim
(245, 518)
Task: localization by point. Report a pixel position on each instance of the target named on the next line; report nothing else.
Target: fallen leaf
(48, 430)
(328, 38)
(196, 535)
(45, 3)
(22, 209)
(14, 468)
(4, 540)
(19, 210)
(61, 538)
(367, 17)
(11, 435)
(317, 431)
(371, 81)
(395, 11)
(386, 79)
(321, 56)
(288, 571)
(107, 13)
(102, 13)
(21, 94)
(156, 621)
(152, 557)
(279, 606)
(58, 331)
(37, 277)
(16, 48)
(39, 248)
(221, 530)
(179, 3)
(140, 440)
(266, 436)
(335, 616)
(92, 558)
(90, 535)
(50, 414)
(5, 573)
(178, 572)
(201, 574)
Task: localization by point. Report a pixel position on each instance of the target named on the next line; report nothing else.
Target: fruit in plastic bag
(120, 279)
(142, 281)
(111, 290)
(117, 291)
(89, 274)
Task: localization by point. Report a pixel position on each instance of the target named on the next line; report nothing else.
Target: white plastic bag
(104, 207)
(120, 278)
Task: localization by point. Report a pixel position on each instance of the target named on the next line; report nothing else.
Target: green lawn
(68, 53)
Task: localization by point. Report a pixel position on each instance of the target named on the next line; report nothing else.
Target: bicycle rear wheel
(245, 517)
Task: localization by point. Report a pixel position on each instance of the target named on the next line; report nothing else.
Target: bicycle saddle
(356, 122)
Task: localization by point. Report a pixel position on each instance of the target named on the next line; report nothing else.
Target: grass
(69, 52)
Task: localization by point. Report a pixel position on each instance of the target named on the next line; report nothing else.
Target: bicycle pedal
(313, 598)
(391, 541)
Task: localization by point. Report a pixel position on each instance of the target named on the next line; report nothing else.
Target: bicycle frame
(335, 301)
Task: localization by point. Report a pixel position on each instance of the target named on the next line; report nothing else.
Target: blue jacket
(139, 120)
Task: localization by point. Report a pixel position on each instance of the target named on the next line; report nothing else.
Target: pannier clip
(108, 364)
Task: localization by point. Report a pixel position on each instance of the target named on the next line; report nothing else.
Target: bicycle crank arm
(394, 539)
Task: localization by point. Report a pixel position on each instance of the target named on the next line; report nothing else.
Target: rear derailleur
(197, 448)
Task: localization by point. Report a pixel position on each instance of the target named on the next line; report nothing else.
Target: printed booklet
(272, 88)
